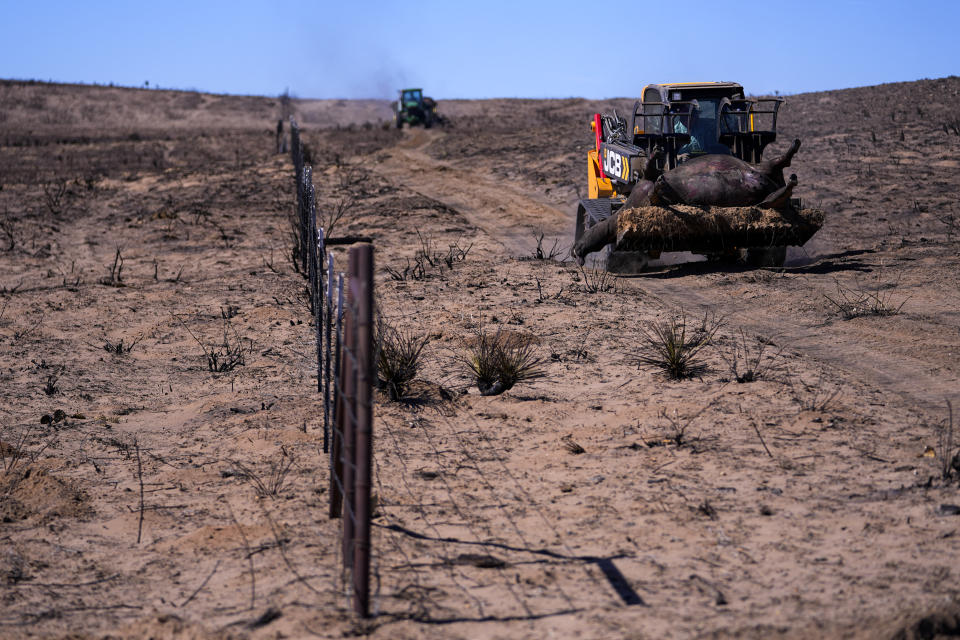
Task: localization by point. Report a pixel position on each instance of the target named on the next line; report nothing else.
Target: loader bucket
(713, 229)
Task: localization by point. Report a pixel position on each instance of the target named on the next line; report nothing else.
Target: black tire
(626, 262)
(729, 258)
(773, 256)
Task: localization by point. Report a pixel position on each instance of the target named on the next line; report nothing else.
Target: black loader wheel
(766, 256)
(728, 258)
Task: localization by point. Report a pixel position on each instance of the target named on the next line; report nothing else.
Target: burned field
(160, 427)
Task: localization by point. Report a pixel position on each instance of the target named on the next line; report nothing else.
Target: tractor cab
(411, 97)
(695, 118)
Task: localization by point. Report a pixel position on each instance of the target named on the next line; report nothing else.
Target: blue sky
(477, 49)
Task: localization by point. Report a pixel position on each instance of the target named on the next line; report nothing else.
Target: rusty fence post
(348, 359)
(363, 432)
(350, 413)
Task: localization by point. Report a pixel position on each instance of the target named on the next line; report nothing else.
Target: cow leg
(774, 168)
(595, 238)
(780, 198)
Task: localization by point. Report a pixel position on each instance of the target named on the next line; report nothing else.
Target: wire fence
(344, 330)
(410, 527)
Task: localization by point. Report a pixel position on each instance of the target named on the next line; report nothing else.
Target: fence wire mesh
(482, 505)
(344, 329)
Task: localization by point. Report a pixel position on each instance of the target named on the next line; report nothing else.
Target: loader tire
(729, 258)
(766, 256)
(626, 262)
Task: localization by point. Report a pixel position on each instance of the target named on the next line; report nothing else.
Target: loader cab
(697, 118)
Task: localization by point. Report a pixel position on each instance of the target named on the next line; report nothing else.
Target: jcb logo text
(615, 164)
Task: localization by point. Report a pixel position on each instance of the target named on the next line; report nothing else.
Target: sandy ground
(809, 503)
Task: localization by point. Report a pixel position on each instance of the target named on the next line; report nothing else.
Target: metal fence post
(296, 152)
(309, 236)
(336, 447)
(362, 287)
(318, 308)
(328, 327)
(337, 350)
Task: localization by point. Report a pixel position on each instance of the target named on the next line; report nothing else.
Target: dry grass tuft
(948, 460)
(875, 299)
(675, 347)
(499, 360)
(269, 483)
(231, 353)
(750, 360)
(121, 347)
(398, 358)
(596, 280)
(542, 253)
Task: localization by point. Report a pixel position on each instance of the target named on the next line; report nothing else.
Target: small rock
(46, 419)
(949, 510)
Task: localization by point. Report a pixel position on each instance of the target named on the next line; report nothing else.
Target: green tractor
(413, 108)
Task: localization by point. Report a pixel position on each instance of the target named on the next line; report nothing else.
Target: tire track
(910, 378)
(507, 214)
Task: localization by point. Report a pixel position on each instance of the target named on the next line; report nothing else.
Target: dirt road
(507, 215)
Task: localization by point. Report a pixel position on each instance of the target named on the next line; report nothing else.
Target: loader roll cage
(664, 124)
(739, 126)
